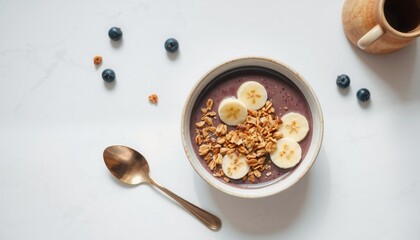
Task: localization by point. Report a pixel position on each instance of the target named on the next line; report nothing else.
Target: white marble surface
(57, 116)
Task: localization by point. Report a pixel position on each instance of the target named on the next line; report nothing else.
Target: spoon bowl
(130, 167)
(126, 164)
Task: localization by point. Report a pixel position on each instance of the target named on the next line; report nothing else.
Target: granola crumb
(251, 178)
(97, 60)
(153, 98)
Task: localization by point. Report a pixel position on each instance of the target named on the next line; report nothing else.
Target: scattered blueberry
(115, 33)
(343, 81)
(171, 45)
(363, 94)
(108, 75)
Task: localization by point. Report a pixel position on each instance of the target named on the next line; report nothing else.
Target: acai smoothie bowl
(252, 127)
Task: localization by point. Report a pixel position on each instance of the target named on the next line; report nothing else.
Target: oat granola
(97, 60)
(255, 138)
(153, 98)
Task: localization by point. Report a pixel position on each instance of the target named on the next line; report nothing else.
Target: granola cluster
(255, 139)
(97, 60)
(153, 98)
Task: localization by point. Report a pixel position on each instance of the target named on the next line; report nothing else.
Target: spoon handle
(207, 218)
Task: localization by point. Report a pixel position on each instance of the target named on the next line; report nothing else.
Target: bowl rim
(252, 192)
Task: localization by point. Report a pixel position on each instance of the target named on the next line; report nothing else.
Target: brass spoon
(130, 167)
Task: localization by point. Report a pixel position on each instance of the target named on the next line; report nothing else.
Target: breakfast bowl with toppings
(252, 127)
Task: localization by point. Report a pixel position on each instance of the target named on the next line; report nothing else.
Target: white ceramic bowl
(278, 185)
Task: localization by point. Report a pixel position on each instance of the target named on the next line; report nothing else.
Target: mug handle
(370, 37)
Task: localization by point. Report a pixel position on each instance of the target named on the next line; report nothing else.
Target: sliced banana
(253, 94)
(287, 154)
(294, 126)
(234, 167)
(232, 111)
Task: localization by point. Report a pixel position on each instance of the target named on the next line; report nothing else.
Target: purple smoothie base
(282, 92)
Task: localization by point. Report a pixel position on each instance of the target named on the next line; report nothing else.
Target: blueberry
(171, 45)
(343, 81)
(108, 75)
(115, 33)
(363, 94)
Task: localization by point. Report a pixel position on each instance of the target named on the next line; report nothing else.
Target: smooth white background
(57, 116)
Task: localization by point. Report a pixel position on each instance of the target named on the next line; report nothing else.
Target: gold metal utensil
(130, 167)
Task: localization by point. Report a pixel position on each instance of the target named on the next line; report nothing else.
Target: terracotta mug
(381, 26)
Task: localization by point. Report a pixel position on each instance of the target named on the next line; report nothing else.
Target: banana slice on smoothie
(253, 94)
(287, 154)
(234, 167)
(232, 111)
(294, 126)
